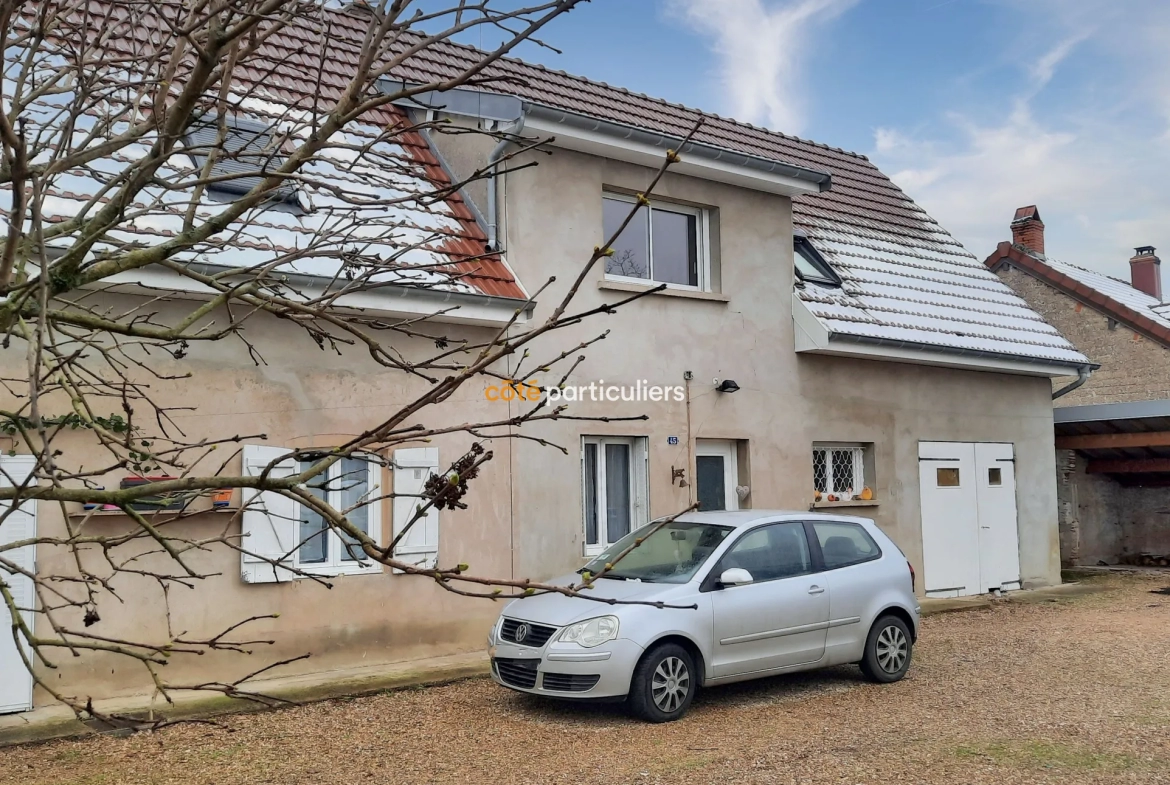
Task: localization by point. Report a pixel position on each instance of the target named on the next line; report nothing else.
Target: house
(1113, 427)
(820, 343)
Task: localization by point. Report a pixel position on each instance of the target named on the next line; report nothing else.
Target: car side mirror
(735, 576)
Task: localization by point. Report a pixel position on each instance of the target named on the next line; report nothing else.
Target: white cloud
(760, 46)
(1094, 160)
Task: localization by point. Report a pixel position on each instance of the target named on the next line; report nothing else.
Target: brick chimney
(1028, 229)
(1145, 271)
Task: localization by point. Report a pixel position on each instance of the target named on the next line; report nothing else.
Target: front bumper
(566, 670)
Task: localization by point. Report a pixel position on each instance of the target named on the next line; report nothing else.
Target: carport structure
(1114, 485)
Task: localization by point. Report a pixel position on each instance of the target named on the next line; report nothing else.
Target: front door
(716, 474)
(778, 620)
(20, 524)
(970, 539)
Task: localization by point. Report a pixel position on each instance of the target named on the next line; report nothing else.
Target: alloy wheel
(670, 684)
(892, 649)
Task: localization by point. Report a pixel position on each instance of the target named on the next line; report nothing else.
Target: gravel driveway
(1069, 691)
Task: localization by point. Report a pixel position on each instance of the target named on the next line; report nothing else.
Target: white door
(716, 474)
(970, 538)
(999, 537)
(15, 681)
(950, 519)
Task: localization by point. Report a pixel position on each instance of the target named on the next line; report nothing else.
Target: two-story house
(820, 342)
(1112, 439)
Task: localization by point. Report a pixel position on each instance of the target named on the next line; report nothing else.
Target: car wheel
(887, 650)
(664, 684)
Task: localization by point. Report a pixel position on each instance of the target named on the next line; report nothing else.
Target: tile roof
(1132, 307)
(360, 207)
(905, 277)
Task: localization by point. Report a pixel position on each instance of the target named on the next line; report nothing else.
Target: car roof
(742, 518)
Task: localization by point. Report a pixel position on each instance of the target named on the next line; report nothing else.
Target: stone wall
(1133, 367)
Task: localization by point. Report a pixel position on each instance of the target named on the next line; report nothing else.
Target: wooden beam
(1113, 441)
(1129, 466)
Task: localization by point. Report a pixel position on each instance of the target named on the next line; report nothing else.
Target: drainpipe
(1082, 377)
(494, 165)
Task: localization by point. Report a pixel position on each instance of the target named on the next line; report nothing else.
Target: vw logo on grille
(521, 633)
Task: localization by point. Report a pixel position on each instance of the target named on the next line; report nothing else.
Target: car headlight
(593, 632)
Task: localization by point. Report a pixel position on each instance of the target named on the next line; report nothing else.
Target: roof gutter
(956, 350)
(580, 130)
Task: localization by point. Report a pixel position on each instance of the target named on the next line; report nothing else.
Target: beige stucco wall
(526, 518)
(785, 401)
(298, 396)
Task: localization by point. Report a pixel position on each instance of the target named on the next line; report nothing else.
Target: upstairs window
(663, 243)
(810, 265)
(247, 154)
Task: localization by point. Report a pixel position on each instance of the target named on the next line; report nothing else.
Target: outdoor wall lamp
(727, 386)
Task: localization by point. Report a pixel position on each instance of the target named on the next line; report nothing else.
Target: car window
(779, 550)
(843, 544)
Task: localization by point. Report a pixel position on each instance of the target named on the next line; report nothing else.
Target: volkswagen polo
(713, 598)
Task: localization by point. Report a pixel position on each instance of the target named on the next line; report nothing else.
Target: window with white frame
(838, 471)
(663, 243)
(351, 487)
(614, 481)
(280, 534)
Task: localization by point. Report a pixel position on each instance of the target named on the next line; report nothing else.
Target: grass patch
(1048, 755)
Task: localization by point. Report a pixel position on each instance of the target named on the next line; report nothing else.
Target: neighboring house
(831, 342)
(1113, 427)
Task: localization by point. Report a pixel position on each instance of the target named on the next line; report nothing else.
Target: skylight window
(810, 265)
(248, 153)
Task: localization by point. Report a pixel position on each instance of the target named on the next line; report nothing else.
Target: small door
(970, 531)
(716, 475)
(779, 620)
(16, 684)
(950, 519)
(999, 537)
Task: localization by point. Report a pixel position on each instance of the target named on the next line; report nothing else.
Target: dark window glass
(843, 544)
(995, 476)
(631, 250)
(712, 488)
(314, 533)
(820, 470)
(676, 257)
(247, 153)
(591, 494)
(617, 491)
(811, 266)
(770, 552)
(354, 485)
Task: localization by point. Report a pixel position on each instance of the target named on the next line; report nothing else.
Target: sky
(973, 107)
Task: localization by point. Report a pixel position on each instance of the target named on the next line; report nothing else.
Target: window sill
(854, 503)
(622, 286)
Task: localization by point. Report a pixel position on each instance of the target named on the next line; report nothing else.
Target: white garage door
(15, 682)
(970, 535)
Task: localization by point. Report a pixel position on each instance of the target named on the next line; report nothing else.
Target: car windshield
(669, 554)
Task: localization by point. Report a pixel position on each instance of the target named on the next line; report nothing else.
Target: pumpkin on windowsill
(833, 498)
(816, 496)
(866, 494)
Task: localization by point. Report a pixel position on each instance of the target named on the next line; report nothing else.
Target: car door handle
(816, 590)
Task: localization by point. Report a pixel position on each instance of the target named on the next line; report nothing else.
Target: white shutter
(269, 520)
(412, 467)
(16, 683)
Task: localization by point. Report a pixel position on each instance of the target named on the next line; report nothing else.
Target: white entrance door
(970, 539)
(15, 681)
(716, 474)
(999, 535)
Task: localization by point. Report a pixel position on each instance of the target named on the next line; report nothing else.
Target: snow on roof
(1117, 290)
(365, 200)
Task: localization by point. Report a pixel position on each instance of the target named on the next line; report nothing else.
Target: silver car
(714, 598)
